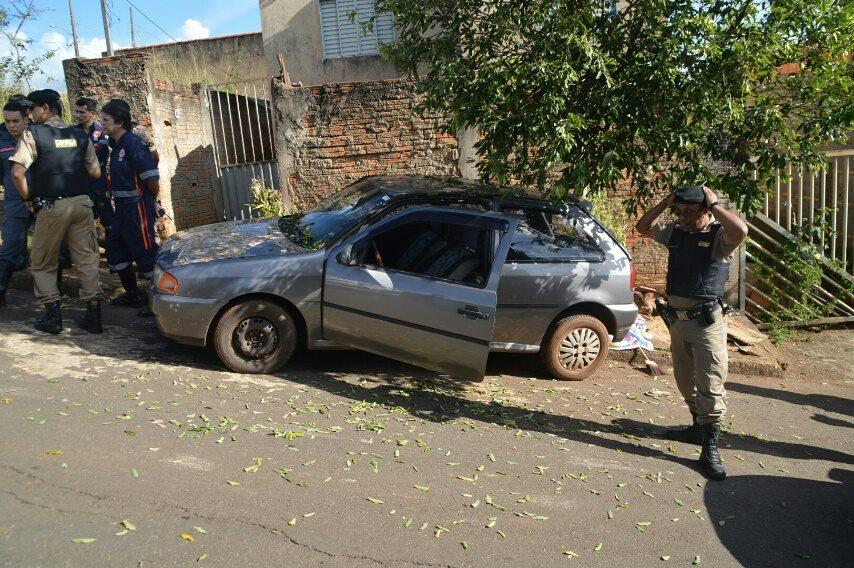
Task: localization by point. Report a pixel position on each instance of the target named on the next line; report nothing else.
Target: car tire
(256, 336)
(575, 347)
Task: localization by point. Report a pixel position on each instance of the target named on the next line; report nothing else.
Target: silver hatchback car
(435, 272)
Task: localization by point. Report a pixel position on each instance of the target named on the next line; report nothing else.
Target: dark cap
(690, 194)
(44, 97)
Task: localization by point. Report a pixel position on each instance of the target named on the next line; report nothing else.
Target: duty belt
(695, 312)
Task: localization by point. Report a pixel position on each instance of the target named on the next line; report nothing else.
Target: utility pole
(106, 16)
(74, 31)
(132, 30)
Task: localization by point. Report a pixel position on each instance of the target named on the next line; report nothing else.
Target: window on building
(347, 31)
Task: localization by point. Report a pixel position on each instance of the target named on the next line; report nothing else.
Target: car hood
(220, 241)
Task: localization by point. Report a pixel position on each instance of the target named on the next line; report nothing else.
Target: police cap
(690, 195)
(44, 97)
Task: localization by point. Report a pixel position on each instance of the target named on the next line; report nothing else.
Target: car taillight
(633, 274)
(167, 284)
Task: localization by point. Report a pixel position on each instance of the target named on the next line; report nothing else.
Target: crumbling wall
(186, 155)
(174, 114)
(331, 135)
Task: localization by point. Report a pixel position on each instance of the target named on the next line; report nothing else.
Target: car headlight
(167, 284)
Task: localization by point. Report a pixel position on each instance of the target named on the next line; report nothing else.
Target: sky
(182, 19)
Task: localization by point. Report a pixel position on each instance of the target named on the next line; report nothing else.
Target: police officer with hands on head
(701, 242)
(17, 216)
(85, 112)
(59, 158)
(135, 185)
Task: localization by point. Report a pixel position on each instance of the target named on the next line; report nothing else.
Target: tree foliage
(17, 65)
(574, 95)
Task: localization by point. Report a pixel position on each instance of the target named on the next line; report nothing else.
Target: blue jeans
(16, 223)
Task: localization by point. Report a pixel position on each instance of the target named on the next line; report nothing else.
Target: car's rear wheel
(255, 336)
(575, 347)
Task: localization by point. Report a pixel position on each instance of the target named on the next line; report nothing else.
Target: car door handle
(471, 312)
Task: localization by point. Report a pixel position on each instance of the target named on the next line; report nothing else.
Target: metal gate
(241, 120)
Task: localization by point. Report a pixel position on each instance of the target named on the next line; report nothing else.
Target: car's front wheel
(256, 336)
(575, 347)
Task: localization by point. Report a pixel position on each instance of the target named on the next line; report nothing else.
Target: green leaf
(598, 547)
(256, 463)
(696, 560)
(422, 487)
(128, 525)
(134, 472)
(375, 501)
(82, 540)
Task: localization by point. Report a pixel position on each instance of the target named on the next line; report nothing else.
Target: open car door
(420, 287)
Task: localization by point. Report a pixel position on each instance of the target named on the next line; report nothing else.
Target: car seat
(456, 262)
(424, 245)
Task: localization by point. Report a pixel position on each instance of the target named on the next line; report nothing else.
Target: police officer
(135, 185)
(17, 216)
(701, 242)
(85, 112)
(59, 158)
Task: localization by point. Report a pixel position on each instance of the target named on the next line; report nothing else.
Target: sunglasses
(687, 213)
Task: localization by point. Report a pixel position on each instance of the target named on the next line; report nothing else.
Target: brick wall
(331, 135)
(186, 162)
(186, 156)
(111, 78)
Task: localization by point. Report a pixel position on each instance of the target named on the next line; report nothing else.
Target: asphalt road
(154, 456)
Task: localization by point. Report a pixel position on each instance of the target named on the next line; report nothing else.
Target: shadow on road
(821, 401)
(780, 521)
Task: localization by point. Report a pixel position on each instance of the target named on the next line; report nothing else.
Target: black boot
(52, 320)
(692, 434)
(133, 297)
(710, 460)
(5, 277)
(92, 321)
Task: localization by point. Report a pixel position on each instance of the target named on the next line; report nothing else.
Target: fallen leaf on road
(54, 452)
(128, 525)
(82, 540)
(188, 537)
(375, 501)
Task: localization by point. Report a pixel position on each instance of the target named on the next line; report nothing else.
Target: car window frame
(548, 207)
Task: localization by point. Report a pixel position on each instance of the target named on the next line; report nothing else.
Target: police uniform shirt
(130, 165)
(26, 152)
(721, 251)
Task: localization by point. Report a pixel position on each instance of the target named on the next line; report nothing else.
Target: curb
(737, 364)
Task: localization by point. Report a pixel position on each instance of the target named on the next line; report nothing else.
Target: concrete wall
(292, 27)
(215, 60)
(329, 136)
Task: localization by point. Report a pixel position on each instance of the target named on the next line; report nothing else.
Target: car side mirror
(347, 256)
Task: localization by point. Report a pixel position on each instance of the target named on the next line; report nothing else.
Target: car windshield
(332, 216)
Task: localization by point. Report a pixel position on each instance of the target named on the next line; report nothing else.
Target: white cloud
(193, 29)
(52, 75)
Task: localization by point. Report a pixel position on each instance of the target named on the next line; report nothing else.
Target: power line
(144, 15)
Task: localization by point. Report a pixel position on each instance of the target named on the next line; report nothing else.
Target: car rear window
(546, 236)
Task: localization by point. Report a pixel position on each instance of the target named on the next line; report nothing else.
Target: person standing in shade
(17, 216)
(59, 159)
(85, 112)
(135, 185)
(701, 242)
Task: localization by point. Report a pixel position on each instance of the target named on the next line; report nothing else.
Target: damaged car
(435, 272)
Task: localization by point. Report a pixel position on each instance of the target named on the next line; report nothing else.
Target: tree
(17, 68)
(574, 95)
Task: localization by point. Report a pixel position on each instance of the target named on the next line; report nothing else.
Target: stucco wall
(292, 27)
(215, 60)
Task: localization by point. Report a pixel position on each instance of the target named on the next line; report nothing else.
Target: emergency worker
(59, 159)
(17, 216)
(701, 242)
(135, 185)
(85, 112)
